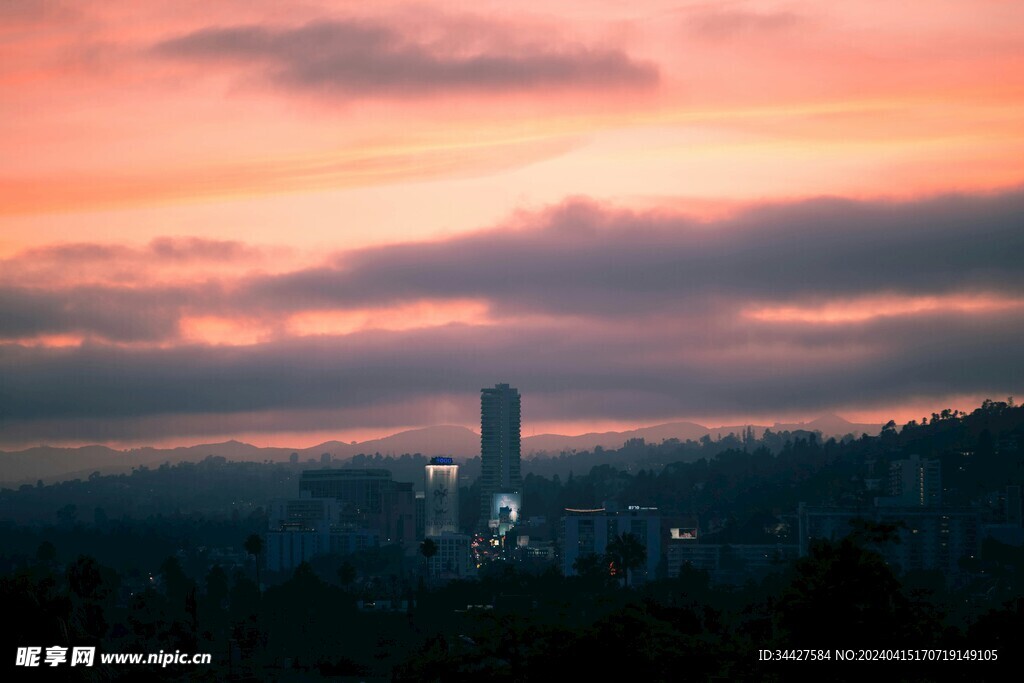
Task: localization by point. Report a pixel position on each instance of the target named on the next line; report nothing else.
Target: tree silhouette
(67, 515)
(217, 586)
(91, 587)
(844, 590)
(46, 554)
(254, 546)
(591, 568)
(428, 549)
(346, 573)
(84, 579)
(626, 552)
(177, 584)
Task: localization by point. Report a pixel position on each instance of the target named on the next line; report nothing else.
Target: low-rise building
(930, 537)
(453, 559)
(588, 532)
(729, 563)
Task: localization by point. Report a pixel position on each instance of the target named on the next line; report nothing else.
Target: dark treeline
(752, 485)
(508, 626)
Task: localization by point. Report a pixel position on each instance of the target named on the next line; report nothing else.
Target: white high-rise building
(441, 504)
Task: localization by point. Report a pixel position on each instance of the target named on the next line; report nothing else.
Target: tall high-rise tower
(499, 445)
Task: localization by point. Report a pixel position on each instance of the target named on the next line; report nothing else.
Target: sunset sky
(286, 222)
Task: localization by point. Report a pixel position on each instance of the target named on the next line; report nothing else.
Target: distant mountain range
(55, 464)
(828, 425)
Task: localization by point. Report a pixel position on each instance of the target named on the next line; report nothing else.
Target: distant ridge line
(50, 463)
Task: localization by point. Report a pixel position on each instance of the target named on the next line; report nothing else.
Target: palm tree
(428, 549)
(626, 552)
(254, 546)
(346, 574)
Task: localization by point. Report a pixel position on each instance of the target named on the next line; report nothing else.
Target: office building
(441, 497)
(360, 491)
(914, 481)
(304, 512)
(930, 538)
(1013, 507)
(453, 559)
(287, 548)
(532, 543)
(300, 529)
(421, 516)
(1002, 522)
(499, 445)
(733, 563)
(368, 499)
(588, 532)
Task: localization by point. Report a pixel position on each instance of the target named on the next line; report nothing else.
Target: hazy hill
(440, 440)
(54, 463)
(557, 443)
(51, 463)
(830, 425)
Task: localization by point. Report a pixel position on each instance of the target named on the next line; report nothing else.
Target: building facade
(454, 558)
(588, 532)
(299, 529)
(914, 481)
(500, 446)
(930, 538)
(368, 499)
(287, 548)
(304, 512)
(441, 497)
(729, 563)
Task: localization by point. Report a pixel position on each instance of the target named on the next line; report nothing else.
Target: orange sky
(303, 133)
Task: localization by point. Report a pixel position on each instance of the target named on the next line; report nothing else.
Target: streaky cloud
(582, 259)
(362, 58)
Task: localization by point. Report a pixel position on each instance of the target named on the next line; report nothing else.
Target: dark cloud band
(583, 260)
(596, 313)
(360, 58)
(569, 373)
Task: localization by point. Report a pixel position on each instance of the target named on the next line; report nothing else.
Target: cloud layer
(595, 313)
(581, 259)
(358, 57)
